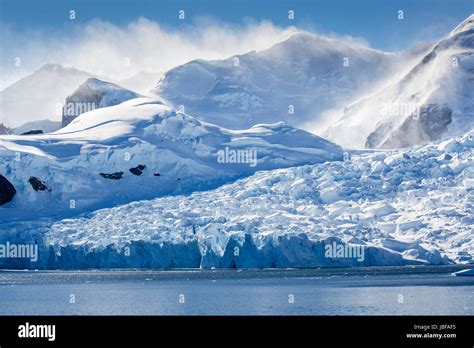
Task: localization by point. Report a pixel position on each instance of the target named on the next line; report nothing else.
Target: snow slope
(401, 207)
(293, 81)
(82, 162)
(108, 94)
(40, 95)
(434, 100)
(47, 126)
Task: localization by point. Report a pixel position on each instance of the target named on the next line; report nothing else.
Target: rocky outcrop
(94, 94)
(138, 170)
(5, 130)
(37, 184)
(33, 132)
(112, 176)
(427, 126)
(7, 190)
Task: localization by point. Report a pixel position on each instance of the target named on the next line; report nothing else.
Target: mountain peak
(97, 84)
(465, 25)
(59, 68)
(303, 39)
(52, 67)
(94, 93)
(301, 36)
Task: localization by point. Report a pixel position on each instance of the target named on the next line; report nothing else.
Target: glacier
(403, 207)
(92, 163)
(208, 172)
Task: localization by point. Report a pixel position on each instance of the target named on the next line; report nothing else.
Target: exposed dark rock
(113, 176)
(157, 174)
(37, 184)
(5, 130)
(138, 170)
(7, 190)
(90, 95)
(428, 126)
(33, 132)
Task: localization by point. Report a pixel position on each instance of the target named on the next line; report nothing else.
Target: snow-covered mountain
(294, 81)
(432, 101)
(46, 126)
(40, 95)
(396, 207)
(233, 188)
(5, 130)
(94, 94)
(141, 149)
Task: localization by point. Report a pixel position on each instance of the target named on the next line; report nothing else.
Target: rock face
(37, 184)
(33, 132)
(4, 129)
(94, 94)
(113, 176)
(7, 190)
(138, 170)
(428, 126)
(432, 101)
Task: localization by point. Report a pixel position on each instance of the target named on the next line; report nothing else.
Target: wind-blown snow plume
(434, 100)
(120, 52)
(295, 81)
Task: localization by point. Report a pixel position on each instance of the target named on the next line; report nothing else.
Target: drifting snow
(435, 100)
(293, 81)
(40, 95)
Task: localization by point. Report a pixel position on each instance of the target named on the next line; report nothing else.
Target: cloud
(104, 48)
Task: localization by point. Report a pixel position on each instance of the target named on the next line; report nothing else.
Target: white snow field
(96, 161)
(400, 206)
(434, 101)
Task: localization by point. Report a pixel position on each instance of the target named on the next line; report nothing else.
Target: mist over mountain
(40, 95)
(296, 81)
(433, 100)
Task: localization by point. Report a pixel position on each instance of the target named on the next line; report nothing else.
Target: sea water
(236, 292)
